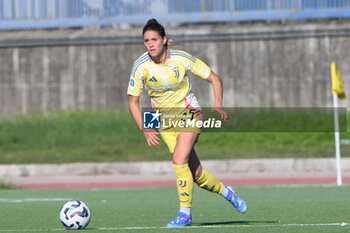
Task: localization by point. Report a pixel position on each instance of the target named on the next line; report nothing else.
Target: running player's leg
(181, 154)
(203, 178)
(208, 181)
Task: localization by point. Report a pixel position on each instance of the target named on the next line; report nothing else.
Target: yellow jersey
(168, 85)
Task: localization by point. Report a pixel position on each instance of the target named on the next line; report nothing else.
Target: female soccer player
(163, 72)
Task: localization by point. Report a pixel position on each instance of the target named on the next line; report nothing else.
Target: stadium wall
(262, 65)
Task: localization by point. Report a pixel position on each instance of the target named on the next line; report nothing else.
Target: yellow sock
(184, 184)
(209, 182)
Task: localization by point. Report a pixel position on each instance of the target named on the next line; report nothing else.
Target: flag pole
(337, 139)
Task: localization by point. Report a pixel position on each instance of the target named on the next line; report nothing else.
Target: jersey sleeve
(197, 66)
(136, 81)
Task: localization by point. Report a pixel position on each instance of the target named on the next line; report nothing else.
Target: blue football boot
(181, 220)
(237, 202)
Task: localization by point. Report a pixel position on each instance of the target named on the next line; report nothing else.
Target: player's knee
(179, 162)
(179, 158)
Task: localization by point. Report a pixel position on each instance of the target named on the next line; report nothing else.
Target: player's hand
(222, 112)
(151, 137)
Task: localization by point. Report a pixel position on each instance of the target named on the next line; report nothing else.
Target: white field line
(230, 226)
(10, 200)
(192, 227)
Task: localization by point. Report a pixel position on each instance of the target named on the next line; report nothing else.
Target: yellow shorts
(170, 139)
(177, 123)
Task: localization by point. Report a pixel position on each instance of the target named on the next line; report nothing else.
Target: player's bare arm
(218, 95)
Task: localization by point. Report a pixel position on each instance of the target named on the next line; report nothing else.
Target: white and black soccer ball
(75, 215)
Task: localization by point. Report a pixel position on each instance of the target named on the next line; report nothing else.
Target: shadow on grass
(235, 223)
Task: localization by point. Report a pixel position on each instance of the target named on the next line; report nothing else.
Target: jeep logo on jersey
(153, 79)
(151, 120)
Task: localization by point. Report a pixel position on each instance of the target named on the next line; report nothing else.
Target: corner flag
(338, 92)
(337, 82)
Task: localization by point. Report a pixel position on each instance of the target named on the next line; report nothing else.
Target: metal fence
(41, 14)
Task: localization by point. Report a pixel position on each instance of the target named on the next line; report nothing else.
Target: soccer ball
(75, 215)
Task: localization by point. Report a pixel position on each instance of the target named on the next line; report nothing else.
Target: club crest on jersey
(153, 79)
(176, 71)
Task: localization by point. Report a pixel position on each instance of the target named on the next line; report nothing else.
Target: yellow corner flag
(337, 82)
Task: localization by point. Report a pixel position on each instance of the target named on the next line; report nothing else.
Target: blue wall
(43, 14)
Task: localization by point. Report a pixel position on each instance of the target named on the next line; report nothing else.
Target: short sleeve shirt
(167, 85)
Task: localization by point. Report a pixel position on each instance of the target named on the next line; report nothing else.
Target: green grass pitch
(270, 209)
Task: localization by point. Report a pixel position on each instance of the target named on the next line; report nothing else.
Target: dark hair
(153, 25)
